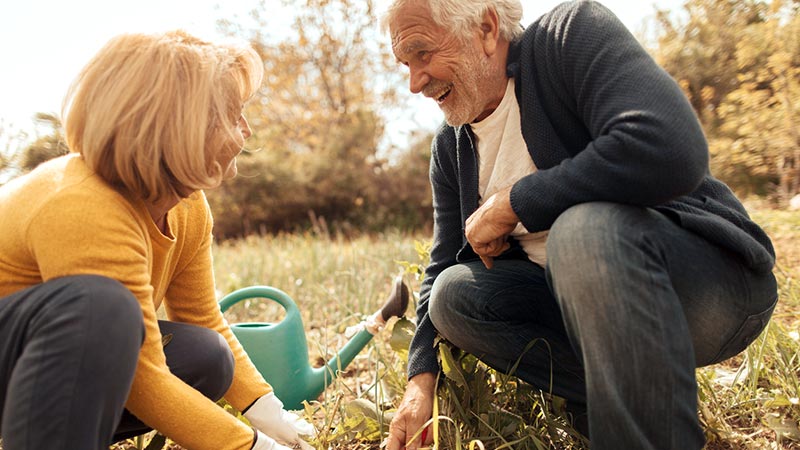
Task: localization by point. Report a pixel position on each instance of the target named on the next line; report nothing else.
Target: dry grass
(750, 401)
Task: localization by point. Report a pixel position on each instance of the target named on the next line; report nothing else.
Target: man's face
(452, 72)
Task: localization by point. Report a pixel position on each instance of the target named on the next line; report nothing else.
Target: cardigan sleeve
(645, 144)
(191, 298)
(447, 240)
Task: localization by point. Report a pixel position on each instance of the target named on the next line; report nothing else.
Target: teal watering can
(280, 352)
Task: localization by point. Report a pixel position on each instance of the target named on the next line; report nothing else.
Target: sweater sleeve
(73, 235)
(645, 144)
(191, 299)
(447, 240)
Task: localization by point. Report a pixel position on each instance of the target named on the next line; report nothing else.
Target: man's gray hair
(462, 16)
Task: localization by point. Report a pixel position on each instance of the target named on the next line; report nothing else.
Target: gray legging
(68, 351)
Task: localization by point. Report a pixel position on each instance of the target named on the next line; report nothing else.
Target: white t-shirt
(503, 159)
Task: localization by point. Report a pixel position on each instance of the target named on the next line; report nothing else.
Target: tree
(700, 52)
(17, 157)
(9, 142)
(45, 147)
(317, 123)
(760, 133)
(738, 62)
(405, 192)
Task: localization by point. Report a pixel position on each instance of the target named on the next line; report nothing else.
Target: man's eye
(423, 54)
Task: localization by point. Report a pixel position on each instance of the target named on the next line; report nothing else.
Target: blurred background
(333, 195)
(339, 143)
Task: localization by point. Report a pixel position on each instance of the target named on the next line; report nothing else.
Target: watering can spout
(279, 350)
(394, 306)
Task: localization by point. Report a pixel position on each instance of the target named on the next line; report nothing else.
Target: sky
(45, 43)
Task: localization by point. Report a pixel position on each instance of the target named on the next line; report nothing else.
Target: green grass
(750, 401)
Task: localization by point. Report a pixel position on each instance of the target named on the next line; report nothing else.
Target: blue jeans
(628, 306)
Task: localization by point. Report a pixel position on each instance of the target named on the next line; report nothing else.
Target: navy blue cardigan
(602, 122)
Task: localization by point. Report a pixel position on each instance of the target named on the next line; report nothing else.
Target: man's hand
(415, 409)
(488, 227)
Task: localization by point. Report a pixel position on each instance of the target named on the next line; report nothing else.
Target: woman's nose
(246, 131)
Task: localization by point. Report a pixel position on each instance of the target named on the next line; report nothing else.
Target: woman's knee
(199, 356)
(86, 318)
(219, 367)
(103, 308)
(102, 295)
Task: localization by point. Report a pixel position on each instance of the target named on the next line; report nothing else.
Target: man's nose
(418, 79)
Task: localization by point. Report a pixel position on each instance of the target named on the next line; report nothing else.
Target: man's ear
(489, 31)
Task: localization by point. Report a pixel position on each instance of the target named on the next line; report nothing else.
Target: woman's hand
(264, 442)
(268, 417)
(489, 226)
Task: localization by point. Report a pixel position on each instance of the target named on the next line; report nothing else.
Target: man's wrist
(509, 216)
(425, 381)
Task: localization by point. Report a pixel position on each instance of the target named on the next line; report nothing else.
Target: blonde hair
(462, 16)
(150, 111)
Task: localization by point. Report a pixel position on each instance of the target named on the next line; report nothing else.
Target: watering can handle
(267, 292)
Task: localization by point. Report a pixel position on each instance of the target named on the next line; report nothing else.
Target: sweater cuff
(422, 353)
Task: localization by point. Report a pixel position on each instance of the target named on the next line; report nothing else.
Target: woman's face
(227, 155)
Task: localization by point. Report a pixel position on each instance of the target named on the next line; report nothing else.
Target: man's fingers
(496, 248)
(503, 248)
(487, 252)
(392, 443)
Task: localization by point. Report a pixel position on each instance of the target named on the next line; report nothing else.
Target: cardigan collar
(512, 62)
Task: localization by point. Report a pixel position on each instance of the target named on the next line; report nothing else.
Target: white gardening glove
(264, 442)
(268, 416)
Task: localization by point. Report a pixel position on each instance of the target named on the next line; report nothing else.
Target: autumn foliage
(322, 155)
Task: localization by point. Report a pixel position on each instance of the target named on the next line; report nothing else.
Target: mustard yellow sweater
(61, 219)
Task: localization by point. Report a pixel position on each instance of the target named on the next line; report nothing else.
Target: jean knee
(586, 224)
(447, 297)
(587, 245)
(591, 236)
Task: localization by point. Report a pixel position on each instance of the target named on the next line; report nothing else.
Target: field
(750, 401)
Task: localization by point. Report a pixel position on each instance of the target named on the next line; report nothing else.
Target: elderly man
(577, 228)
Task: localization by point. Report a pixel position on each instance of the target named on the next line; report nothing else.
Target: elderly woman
(94, 242)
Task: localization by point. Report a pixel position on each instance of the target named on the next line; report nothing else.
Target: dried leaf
(402, 333)
(783, 428)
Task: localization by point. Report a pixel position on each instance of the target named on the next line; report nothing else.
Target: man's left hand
(489, 226)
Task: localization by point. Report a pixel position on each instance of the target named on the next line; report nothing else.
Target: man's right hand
(415, 409)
